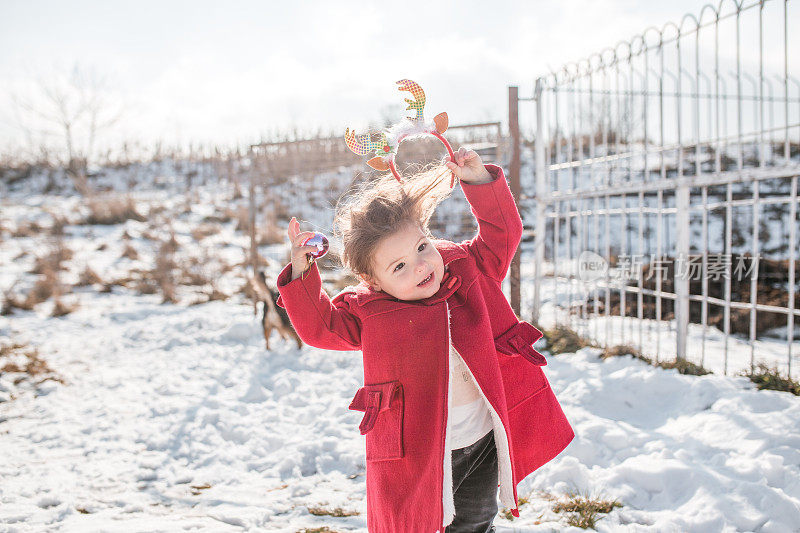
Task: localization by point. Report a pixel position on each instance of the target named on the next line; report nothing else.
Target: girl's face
(407, 265)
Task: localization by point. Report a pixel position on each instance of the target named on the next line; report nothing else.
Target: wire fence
(666, 190)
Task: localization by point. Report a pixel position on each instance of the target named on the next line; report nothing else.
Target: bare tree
(74, 108)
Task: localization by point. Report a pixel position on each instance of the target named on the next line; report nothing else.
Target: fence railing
(666, 188)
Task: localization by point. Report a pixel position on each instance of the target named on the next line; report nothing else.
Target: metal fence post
(541, 184)
(681, 267)
(516, 189)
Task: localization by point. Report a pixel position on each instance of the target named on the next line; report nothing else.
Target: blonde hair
(377, 208)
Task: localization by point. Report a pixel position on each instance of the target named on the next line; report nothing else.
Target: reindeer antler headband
(385, 149)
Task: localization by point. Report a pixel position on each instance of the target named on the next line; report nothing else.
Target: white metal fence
(666, 187)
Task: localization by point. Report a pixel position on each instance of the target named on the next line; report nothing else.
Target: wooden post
(516, 189)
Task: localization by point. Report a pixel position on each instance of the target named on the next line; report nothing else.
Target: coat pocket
(518, 340)
(383, 406)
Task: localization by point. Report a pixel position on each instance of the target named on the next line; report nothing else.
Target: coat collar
(449, 251)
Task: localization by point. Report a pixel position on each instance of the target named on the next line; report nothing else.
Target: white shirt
(469, 418)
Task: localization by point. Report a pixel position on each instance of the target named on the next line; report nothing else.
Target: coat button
(451, 283)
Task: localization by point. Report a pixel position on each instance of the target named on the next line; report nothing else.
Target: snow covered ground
(162, 401)
(174, 417)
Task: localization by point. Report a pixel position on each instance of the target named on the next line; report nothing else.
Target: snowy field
(176, 418)
(173, 417)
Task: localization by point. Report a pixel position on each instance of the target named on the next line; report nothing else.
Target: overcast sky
(229, 72)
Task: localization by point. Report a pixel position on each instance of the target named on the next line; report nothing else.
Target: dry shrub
(242, 217)
(57, 227)
(9, 302)
(620, 350)
(271, 234)
(214, 295)
(156, 210)
(237, 191)
(562, 339)
(112, 210)
(62, 308)
(150, 235)
(684, 367)
(89, 277)
(46, 286)
(345, 280)
(336, 511)
(130, 252)
(218, 219)
(54, 259)
(766, 377)
(217, 294)
(27, 229)
(584, 511)
(279, 210)
(171, 245)
(25, 360)
(205, 230)
(191, 273)
(224, 267)
(163, 272)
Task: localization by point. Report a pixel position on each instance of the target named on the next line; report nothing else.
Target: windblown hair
(377, 208)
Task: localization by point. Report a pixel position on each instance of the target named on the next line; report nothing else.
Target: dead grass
(336, 511)
(112, 210)
(562, 339)
(154, 210)
(683, 367)
(506, 513)
(26, 361)
(47, 286)
(89, 277)
(584, 511)
(57, 227)
(27, 228)
(130, 252)
(150, 235)
(766, 377)
(619, 350)
(163, 272)
(197, 489)
(271, 234)
(54, 259)
(171, 245)
(242, 217)
(219, 219)
(205, 230)
(61, 308)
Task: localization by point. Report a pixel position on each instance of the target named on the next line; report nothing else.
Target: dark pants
(475, 487)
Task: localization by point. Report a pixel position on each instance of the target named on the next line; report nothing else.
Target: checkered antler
(386, 148)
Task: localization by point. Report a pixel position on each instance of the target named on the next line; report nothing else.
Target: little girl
(455, 401)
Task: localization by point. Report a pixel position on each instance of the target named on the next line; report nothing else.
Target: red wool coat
(406, 392)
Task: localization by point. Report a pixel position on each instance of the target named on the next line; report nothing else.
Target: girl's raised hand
(468, 167)
(300, 261)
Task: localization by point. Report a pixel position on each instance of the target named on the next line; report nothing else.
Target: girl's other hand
(299, 258)
(468, 167)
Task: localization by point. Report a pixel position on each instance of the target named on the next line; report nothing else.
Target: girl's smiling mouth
(426, 281)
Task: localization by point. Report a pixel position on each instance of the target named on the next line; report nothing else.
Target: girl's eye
(419, 249)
